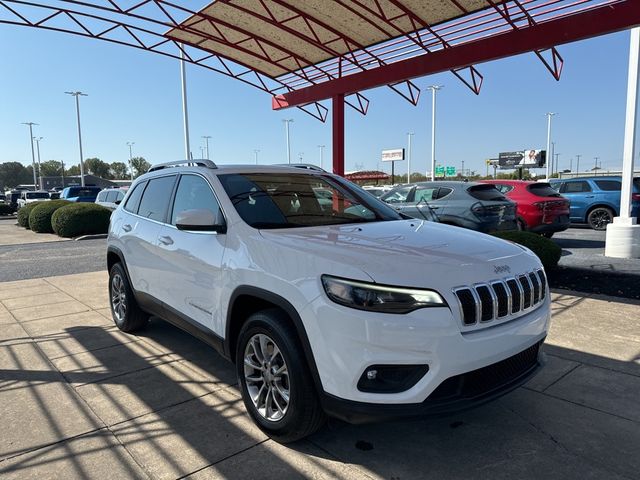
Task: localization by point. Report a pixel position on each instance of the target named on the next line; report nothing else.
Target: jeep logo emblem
(502, 269)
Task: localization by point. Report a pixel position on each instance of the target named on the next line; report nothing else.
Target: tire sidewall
(117, 269)
(262, 323)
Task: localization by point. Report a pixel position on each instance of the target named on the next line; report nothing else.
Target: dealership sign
(395, 155)
(530, 158)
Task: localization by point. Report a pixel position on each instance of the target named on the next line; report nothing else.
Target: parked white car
(30, 197)
(111, 197)
(342, 307)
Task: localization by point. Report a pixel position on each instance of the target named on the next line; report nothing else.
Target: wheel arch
(246, 300)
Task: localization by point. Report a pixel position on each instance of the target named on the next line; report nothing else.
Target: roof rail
(183, 163)
(306, 166)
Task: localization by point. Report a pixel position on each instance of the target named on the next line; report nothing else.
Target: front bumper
(345, 342)
(455, 394)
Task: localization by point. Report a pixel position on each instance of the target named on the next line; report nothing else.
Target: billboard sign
(529, 158)
(395, 155)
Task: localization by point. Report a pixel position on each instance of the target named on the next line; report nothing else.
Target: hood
(409, 252)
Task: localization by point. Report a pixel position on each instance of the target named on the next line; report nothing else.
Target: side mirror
(118, 202)
(201, 220)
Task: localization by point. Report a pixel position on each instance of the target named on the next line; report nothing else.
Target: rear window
(488, 193)
(609, 185)
(575, 187)
(542, 190)
(31, 195)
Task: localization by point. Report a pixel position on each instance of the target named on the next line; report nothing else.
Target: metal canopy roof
(277, 37)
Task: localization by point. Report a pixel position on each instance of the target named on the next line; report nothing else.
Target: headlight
(379, 298)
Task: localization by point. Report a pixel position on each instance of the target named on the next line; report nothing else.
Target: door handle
(126, 227)
(166, 240)
(399, 208)
(590, 196)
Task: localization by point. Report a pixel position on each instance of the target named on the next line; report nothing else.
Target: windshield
(31, 195)
(285, 200)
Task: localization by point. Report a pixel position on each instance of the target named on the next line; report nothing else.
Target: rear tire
(125, 311)
(599, 218)
(521, 226)
(276, 384)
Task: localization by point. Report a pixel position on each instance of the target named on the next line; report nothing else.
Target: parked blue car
(80, 194)
(596, 200)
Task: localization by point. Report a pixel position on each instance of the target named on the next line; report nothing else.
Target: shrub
(24, 212)
(80, 219)
(5, 209)
(40, 216)
(547, 251)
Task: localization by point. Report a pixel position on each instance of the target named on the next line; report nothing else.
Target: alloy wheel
(599, 219)
(267, 377)
(118, 297)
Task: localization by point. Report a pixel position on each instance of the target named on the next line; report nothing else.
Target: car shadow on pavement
(171, 401)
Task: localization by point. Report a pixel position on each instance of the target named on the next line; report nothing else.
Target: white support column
(623, 235)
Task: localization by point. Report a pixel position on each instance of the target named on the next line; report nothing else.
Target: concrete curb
(91, 237)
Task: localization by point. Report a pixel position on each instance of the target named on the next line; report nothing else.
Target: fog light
(391, 378)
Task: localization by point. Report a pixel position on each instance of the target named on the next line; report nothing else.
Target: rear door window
(133, 202)
(609, 185)
(542, 190)
(575, 187)
(155, 199)
(424, 194)
(487, 193)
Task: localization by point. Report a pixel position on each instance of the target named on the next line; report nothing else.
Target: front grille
(501, 299)
(485, 380)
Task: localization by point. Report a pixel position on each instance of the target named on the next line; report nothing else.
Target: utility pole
(206, 139)
(578, 164)
(434, 89)
(255, 154)
(62, 165)
(78, 95)
(463, 168)
(548, 153)
(286, 125)
(409, 135)
(37, 139)
(33, 155)
(596, 167)
(185, 113)
(130, 144)
(321, 147)
(557, 163)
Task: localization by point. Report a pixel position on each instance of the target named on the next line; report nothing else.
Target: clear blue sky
(135, 96)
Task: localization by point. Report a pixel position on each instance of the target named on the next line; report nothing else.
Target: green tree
(119, 170)
(97, 167)
(13, 174)
(140, 166)
(73, 170)
(51, 168)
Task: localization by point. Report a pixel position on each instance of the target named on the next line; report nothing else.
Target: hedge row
(547, 251)
(40, 216)
(67, 219)
(80, 219)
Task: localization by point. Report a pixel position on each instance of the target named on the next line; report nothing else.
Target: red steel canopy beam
(578, 26)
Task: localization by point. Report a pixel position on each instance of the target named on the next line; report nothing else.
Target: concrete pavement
(79, 399)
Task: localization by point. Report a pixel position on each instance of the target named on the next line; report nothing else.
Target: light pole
(62, 171)
(463, 168)
(286, 124)
(578, 164)
(206, 140)
(596, 167)
(300, 157)
(37, 139)
(255, 155)
(321, 147)
(201, 152)
(434, 89)
(185, 113)
(557, 164)
(33, 155)
(409, 135)
(548, 153)
(78, 95)
(130, 144)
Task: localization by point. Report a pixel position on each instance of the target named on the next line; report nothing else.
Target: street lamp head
(288, 120)
(30, 123)
(75, 94)
(435, 87)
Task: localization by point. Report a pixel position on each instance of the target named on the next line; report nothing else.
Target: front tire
(274, 378)
(125, 311)
(599, 218)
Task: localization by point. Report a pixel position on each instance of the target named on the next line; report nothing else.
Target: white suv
(327, 305)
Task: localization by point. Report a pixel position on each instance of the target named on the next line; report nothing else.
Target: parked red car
(540, 209)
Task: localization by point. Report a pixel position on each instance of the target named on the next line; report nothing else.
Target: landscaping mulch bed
(615, 284)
